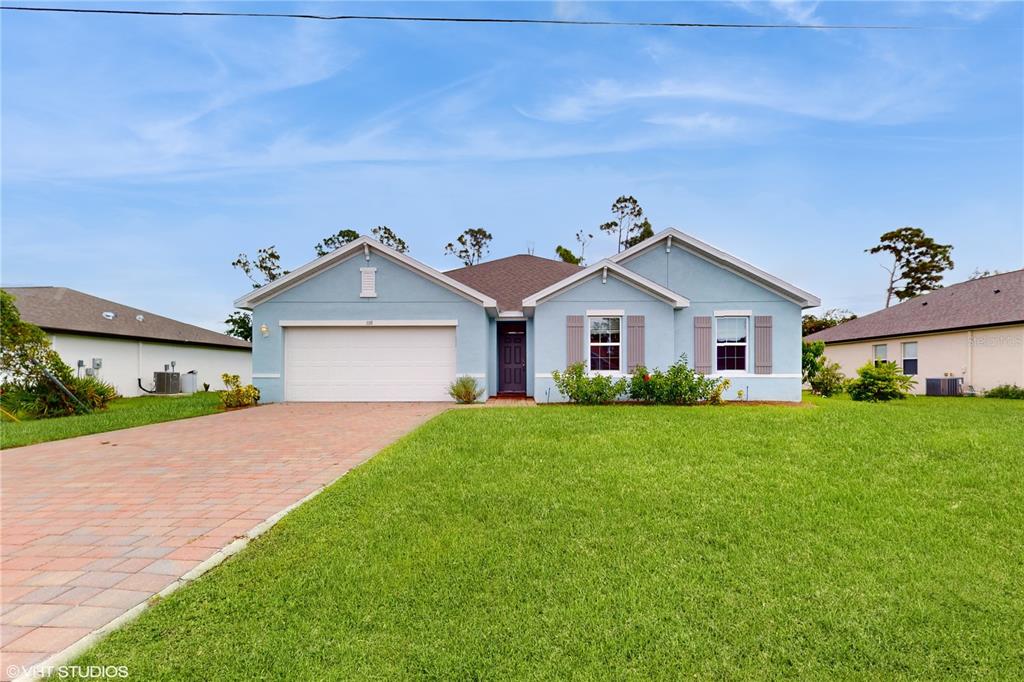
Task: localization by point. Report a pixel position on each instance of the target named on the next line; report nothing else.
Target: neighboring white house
(123, 345)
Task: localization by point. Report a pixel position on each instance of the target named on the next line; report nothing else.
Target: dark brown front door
(511, 357)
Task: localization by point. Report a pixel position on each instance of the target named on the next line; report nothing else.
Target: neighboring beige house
(973, 330)
(123, 345)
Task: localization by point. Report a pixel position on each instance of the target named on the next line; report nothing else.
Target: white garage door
(368, 363)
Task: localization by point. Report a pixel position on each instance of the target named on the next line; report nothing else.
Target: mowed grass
(841, 540)
(121, 413)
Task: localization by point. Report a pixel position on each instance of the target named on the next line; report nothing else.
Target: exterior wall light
(265, 330)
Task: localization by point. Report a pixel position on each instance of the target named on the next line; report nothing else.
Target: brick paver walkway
(93, 526)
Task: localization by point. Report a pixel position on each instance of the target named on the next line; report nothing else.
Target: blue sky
(141, 155)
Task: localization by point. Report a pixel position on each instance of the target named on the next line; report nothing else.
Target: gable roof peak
(723, 259)
(349, 250)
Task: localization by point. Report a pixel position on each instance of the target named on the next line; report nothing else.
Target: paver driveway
(94, 526)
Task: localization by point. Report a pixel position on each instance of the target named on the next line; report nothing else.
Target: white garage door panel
(369, 363)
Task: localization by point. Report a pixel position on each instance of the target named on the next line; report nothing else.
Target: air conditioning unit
(167, 382)
(947, 386)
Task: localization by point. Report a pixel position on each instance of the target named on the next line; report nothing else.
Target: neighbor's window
(731, 344)
(605, 344)
(910, 357)
(881, 353)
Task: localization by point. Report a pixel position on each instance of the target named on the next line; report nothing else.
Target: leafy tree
(629, 223)
(918, 262)
(386, 236)
(582, 238)
(26, 348)
(335, 241)
(641, 232)
(812, 359)
(568, 256)
(263, 269)
(830, 318)
(240, 325)
(471, 246)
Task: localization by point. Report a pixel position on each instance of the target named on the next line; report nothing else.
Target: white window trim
(874, 356)
(590, 344)
(904, 358)
(606, 313)
(745, 316)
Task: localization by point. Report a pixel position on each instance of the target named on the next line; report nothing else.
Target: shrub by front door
(512, 357)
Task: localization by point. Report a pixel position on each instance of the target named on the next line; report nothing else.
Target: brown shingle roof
(510, 280)
(984, 302)
(63, 309)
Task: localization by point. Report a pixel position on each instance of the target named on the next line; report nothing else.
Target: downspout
(970, 358)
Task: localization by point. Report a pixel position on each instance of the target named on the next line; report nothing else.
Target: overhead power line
(454, 20)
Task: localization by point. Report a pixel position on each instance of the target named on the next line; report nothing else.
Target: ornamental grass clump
(465, 390)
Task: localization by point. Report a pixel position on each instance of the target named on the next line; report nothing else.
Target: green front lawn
(122, 413)
(832, 541)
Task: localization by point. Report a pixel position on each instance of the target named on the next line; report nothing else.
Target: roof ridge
(979, 302)
(514, 255)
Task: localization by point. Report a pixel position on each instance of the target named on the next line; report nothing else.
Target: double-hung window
(731, 344)
(910, 357)
(880, 353)
(605, 344)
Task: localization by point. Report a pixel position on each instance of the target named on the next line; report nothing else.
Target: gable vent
(367, 282)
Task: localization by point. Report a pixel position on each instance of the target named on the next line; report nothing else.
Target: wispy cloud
(697, 123)
(790, 11)
(164, 121)
(796, 11)
(876, 96)
(976, 10)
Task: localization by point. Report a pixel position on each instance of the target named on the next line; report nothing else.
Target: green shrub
(880, 382)
(465, 390)
(94, 392)
(44, 399)
(812, 359)
(1013, 392)
(828, 380)
(678, 385)
(578, 387)
(238, 395)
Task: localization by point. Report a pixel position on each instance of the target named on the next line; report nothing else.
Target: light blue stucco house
(367, 323)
